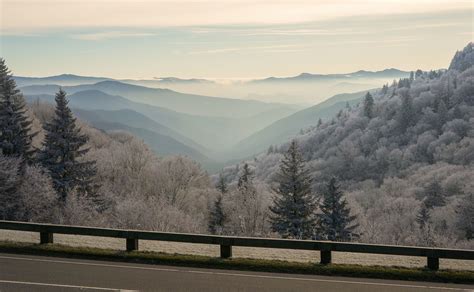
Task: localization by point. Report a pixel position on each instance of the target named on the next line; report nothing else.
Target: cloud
(244, 49)
(270, 31)
(49, 14)
(97, 36)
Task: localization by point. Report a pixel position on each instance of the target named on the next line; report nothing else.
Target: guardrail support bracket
(326, 257)
(46, 237)
(433, 263)
(132, 244)
(226, 251)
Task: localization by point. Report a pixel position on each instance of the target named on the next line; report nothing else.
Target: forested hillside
(405, 157)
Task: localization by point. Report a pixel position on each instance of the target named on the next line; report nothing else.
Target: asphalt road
(34, 273)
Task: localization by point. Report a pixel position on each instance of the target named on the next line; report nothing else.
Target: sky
(230, 39)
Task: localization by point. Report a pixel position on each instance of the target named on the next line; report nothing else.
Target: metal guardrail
(226, 242)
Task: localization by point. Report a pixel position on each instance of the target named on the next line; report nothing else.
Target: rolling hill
(288, 127)
(158, 137)
(176, 101)
(211, 136)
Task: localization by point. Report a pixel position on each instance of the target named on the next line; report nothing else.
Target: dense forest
(396, 169)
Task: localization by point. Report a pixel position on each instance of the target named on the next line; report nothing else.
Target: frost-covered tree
(15, 126)
(64, 146)
(246, 206)
(294, 206)
(368, 109)
(38, 201)
(464, 59)
(336, 223)
(26, 197)
(10, 179)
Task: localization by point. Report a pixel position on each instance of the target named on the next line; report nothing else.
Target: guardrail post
(326, 257)
(46, 237)
(132, 244)
(433, 263)
(226, 251)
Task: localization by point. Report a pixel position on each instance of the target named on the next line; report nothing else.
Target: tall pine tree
(15, 126)
(63, 146)
(406, 115)
(423, 216)
(245, 178)
(368, 106)
(335, 222)
(434, 195)
(222, 184)
(217, 217)
(294, 207)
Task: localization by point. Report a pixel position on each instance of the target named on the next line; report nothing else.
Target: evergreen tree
(15, 126)
(442, 112)
(465, 212)
(368, 105)
(434, 195)
(295, 205)
(245, 178)
(320, 122)
(406, 116)
(336, 223)
(217, 217)
(222, 184)
(423, 216)
(270, 149)
(418, 74)
(63, 146)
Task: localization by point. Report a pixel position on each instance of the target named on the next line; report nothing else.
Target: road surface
(35, 273)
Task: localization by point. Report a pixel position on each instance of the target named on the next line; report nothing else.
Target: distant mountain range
(71, 79)
(362, 74)
(176, 101)
(63, 80)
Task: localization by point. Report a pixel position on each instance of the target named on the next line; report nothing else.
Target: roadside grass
(243, 264)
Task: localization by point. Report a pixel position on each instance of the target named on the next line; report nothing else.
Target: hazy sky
(229, 39)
